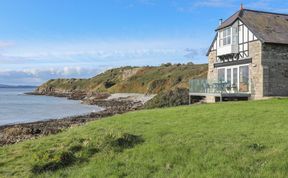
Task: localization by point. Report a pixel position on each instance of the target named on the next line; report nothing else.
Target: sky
(45, 39)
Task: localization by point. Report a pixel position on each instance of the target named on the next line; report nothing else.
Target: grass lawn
(233, 139)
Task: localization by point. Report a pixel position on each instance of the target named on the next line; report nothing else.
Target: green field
(233, 139)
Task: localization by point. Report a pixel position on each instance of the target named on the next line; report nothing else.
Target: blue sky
(43, 39)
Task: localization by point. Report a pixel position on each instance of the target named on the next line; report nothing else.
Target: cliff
(151, 80)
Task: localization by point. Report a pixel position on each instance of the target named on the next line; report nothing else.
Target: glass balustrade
(206, 86)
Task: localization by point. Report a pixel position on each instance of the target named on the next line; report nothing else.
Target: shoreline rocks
(15, 133)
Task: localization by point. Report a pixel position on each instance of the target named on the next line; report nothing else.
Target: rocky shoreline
(113, 104)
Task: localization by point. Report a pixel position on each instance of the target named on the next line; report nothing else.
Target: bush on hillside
(166, 64)
(160, 84)
(177, 97)
(109, 84)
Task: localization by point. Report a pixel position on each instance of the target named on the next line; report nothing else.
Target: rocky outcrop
(72, 95)
(51, 92)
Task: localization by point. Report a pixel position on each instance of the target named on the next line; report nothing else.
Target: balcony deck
(217, 89)
(221, 94)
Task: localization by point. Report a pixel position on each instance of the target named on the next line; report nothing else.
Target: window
(225, 37)
(221, 75)
(237, 78)
(229, 76)
(243, 78)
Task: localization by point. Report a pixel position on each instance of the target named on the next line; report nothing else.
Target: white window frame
(238, 75)
(225, 36)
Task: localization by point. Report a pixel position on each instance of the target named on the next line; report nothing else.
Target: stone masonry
(256, 70)
(212, 73)
(275, 64)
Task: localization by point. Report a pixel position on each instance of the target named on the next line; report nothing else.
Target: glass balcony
(219, 87)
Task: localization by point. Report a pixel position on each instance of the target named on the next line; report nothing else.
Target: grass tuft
(256, 147)
(81, 151)
(126, 141)
(65, 159)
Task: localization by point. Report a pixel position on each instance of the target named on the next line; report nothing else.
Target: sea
(17, 107)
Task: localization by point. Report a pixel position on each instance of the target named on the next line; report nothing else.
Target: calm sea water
(16, 107)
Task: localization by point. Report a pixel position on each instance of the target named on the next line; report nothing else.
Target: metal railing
(206, 86)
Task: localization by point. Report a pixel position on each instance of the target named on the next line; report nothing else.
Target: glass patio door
(228, 76)
(235, 79)
(244, 79)
(232, 79)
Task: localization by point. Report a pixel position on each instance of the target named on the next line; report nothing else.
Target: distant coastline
(17, 86)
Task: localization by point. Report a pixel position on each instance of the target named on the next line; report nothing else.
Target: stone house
(248, 58)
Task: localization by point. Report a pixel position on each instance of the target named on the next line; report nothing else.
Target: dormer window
(225, 37)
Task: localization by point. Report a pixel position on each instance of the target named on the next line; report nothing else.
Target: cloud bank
(33, 66)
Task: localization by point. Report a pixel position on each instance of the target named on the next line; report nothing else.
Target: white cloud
(44, 61)
(38, 76)
(5, 44)
(97, 53)
(192, 53)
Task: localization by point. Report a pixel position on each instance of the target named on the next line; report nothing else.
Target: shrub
(179, 96)
(166, 64)
(120, 141)
(109, 84)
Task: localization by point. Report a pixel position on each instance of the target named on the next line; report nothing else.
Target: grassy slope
(244, 139)
(133, 79)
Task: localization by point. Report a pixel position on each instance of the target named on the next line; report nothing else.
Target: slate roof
(266, 26)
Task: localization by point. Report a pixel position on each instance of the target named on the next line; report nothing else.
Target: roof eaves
(279, 43)
(219, 28)
(265, 12)
(207, 54)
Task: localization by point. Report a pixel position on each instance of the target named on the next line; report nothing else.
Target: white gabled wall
(231, 48)
(241, 36)
(235, 35)
(245, 37)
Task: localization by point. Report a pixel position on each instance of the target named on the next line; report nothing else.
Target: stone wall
(212, 72)
(275, 64)
(256, 70)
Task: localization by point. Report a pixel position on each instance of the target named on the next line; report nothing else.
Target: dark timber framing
(231, 63)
